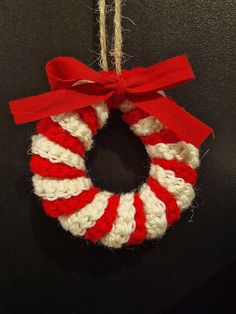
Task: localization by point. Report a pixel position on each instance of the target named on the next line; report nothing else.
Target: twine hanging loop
(117, 40)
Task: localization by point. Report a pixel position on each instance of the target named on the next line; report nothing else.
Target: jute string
(102, 33)
(117, 41)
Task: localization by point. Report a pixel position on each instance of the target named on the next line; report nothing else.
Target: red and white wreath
(70, 117)
(68, 193)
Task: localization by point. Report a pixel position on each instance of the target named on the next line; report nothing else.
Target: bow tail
(51, 103)
(187, 127)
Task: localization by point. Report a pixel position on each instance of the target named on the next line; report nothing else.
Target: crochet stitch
(68, 194)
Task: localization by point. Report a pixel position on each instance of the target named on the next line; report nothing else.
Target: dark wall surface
(44, 270)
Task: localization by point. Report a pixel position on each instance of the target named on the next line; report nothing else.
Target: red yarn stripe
(54, 132)
(172, 210)
(164, 136)
(140, 231)
(89, 116)
(66, 206)
(105, 222)
(180, 169)
(46, 168)
(134, 115)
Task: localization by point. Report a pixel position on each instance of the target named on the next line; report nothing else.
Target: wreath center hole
(118, 161)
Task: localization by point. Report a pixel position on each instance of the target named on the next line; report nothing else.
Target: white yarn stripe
(182, 191)
(180, 151)
(52, 189)
(126, 106)
(154, 209)
(42, 146)
(78, 222)
(124, 223)
(147, 126)
(71, 122)
(102, 114)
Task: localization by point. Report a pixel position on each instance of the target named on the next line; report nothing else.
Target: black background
(44, 270)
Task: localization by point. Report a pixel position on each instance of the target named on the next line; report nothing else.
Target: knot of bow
(74, 86)
(120, 90)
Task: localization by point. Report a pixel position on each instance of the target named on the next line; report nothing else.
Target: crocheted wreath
(70, 115)
(68, 193)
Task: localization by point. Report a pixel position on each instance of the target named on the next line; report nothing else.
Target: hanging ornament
(74, 111)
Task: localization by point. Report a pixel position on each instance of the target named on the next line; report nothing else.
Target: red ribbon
(75, 85)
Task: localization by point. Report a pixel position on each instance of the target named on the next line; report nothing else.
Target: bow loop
(63, 72)
(161, 76)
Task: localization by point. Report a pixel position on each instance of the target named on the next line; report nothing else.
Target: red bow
(75, 85)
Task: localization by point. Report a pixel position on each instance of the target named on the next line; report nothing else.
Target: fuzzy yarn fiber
(68, 194)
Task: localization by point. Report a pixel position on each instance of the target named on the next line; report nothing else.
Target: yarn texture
(68, 194)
